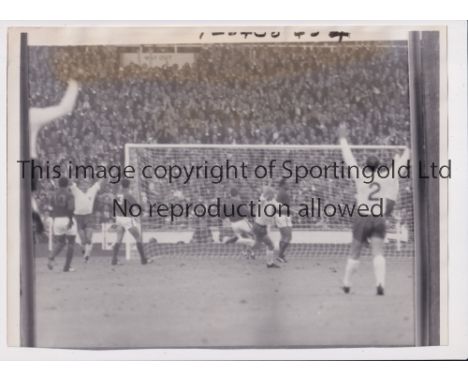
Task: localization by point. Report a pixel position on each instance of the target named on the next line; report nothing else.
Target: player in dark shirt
(237, 212)
(63, 202)
(124, 221)
(39, 117)
(63, 227)
(239, 209)
(283, 223)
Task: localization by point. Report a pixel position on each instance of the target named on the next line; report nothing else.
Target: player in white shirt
(261, 226)
(84, 206)
(370, 229)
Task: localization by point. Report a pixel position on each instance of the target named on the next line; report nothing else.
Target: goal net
(312, 235)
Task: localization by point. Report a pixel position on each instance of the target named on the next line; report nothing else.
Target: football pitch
(220, 301)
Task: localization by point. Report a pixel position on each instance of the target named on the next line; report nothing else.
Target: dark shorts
(84, 221)
(261, 234)
(365, 227)
(260, 231)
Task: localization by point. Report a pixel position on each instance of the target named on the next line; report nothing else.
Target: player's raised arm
(393, 187)
(44, 115)
(98, 185)
(345, 149)
(73, 187)
(401, 160)
(95, 188)
(40, 116)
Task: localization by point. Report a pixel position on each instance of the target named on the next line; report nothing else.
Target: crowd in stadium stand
(230, 94)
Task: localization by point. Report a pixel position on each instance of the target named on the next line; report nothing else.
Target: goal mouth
(331, 234)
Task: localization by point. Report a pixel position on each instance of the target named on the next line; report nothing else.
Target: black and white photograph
(231, 187)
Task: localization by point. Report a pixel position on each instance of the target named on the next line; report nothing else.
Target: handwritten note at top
(299, 35)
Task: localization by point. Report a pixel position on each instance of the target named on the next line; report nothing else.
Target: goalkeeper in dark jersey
(283, 222)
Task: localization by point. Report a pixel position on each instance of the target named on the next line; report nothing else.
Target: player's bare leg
(286, 235)
(261, 236)
(377, 248)
(116, 247)
(84, 243)
(230, 240)
(70, 249)
(248, 243)
(59, 244)
(82, 236)
(88, 234)
(352, 264)
(245, 238)
(270, 253)
(136, 234)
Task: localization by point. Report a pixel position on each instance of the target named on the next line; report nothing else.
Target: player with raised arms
(124, 221)
(262, 223)
(40, 116)
(63, 225)
(283, 221)
(370, 229)
(240, 224)
(84, 206)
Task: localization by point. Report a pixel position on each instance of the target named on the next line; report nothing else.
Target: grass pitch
(220, 301)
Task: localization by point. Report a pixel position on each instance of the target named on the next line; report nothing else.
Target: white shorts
(283, 221)
(125, 222)
(241, 228)
(60, 227)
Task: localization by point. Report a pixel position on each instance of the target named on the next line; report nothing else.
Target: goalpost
(311, 235)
